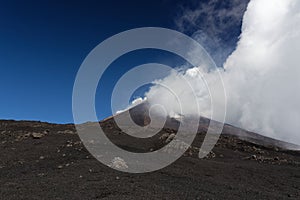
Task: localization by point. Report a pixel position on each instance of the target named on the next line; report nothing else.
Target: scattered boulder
(175, 146)
(164, 136)
(210, 155)
(276, 159)
(66, 132)
(170, 138)
(41, 174)
(69, 145)
(37, 135)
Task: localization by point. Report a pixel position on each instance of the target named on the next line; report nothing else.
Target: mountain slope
(140, 115)
(48, 161)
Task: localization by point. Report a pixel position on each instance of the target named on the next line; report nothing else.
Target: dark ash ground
(48, 161)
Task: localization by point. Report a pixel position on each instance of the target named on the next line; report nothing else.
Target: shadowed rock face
(140, 114)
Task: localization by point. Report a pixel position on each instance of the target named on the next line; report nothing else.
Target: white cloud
(135, 102)
(261, 77)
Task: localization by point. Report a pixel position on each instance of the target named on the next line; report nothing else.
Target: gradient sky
(43, 43)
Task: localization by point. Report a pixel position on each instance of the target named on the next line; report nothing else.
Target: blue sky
(43, 43)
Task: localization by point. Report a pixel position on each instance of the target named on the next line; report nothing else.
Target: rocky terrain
(48, 161)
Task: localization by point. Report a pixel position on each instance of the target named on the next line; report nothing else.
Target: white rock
(118, 163)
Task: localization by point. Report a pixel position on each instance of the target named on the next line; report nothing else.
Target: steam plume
(261, 77)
